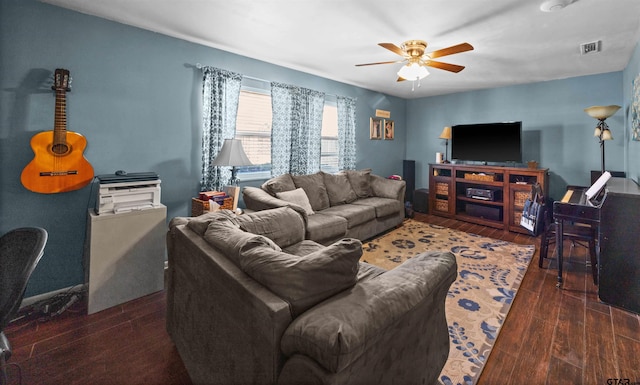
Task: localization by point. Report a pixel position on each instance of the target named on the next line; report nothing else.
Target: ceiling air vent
(592, 47)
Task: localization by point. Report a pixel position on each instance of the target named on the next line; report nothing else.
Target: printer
(125, 192)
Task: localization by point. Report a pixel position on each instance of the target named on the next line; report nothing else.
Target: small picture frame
(389, 129)
(375, 128)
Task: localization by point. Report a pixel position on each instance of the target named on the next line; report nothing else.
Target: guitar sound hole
(60, 149)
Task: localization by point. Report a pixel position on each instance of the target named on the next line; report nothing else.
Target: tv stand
(496, 196)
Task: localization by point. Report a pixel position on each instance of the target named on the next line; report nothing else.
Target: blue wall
(556, 131)
(136, 98)
(633, 149)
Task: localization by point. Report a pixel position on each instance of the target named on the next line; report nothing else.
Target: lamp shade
(606, 134)
(413, 71)
(601, 112)
(231, 154)
(446, 133)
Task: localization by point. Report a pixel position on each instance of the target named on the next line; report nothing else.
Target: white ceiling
(515, 42)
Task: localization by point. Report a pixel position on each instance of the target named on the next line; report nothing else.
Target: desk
(577, 213)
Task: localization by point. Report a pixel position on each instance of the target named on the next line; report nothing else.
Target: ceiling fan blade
(393, 48)
(400, 79)
(382, 62)
(463, 47)
(444, 66)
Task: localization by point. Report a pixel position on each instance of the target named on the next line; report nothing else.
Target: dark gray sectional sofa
(355, 204)
(251, 301)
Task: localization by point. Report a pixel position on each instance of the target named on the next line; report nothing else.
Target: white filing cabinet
(124, 256)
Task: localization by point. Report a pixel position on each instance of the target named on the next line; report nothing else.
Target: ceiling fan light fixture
(554, 5)
(413, 71)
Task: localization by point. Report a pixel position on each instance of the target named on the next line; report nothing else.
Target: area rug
(489, 273)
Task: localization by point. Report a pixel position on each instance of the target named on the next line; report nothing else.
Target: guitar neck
(60, 119)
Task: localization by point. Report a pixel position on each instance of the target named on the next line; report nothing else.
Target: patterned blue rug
(489, 274)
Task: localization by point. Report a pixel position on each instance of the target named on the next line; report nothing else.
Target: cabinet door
(517, 196)
(440, 190)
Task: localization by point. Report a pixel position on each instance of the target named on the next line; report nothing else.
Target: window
(253, 128)
(329, 147)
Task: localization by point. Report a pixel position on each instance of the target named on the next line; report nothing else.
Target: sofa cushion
(339, 189)
(282, 225)
(200, 223)
(354, 214)
(229, 239)
(337, 332)
(303, 248)
(386, 188)
(304, 281)
(368, 271)
(383, 206)
(360, 182)
(313, 185)
(297, 196)
(321, 227)
(279, 184)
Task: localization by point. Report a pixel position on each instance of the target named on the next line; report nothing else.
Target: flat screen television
(487, 142)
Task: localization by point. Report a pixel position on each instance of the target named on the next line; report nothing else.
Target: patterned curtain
(297, 129)
(346, 133)
(220, 96)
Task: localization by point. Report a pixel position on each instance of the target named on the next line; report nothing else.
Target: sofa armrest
(388, 188)
(370, 319)
(225, 325)
(257, 199)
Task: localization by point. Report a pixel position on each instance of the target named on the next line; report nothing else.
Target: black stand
(446, 151)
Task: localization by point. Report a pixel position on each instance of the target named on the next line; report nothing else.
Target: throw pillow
(313, 185)
(360, 182)
(304, 281)
(297, 196)
(339, 189)
(386, 188)
(279, 184)
(200, 223)
(229, 239)
(282, 225)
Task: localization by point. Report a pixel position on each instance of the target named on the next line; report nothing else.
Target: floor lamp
(446, 135)
(602, 131)
(232, 154)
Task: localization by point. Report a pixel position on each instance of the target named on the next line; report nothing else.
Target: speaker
(409, 176)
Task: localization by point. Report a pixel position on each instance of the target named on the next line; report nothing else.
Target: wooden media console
(496, 196)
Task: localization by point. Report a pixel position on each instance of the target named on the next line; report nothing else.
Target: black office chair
(20, 252)
(576, 233)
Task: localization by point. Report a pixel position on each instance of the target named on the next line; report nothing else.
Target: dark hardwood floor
(550, 336)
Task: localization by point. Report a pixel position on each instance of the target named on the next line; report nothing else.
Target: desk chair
(20, 252)
(576, 233)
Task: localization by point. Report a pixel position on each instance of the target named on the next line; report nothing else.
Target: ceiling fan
(413, 53)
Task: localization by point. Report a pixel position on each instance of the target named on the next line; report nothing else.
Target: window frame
(266, 174)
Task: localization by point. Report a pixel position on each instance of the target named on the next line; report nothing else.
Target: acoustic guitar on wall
(59, 164)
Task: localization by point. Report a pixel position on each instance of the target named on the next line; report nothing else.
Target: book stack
(216, 196)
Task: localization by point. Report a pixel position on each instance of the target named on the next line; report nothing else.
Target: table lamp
(232, 154)
(446, 135)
